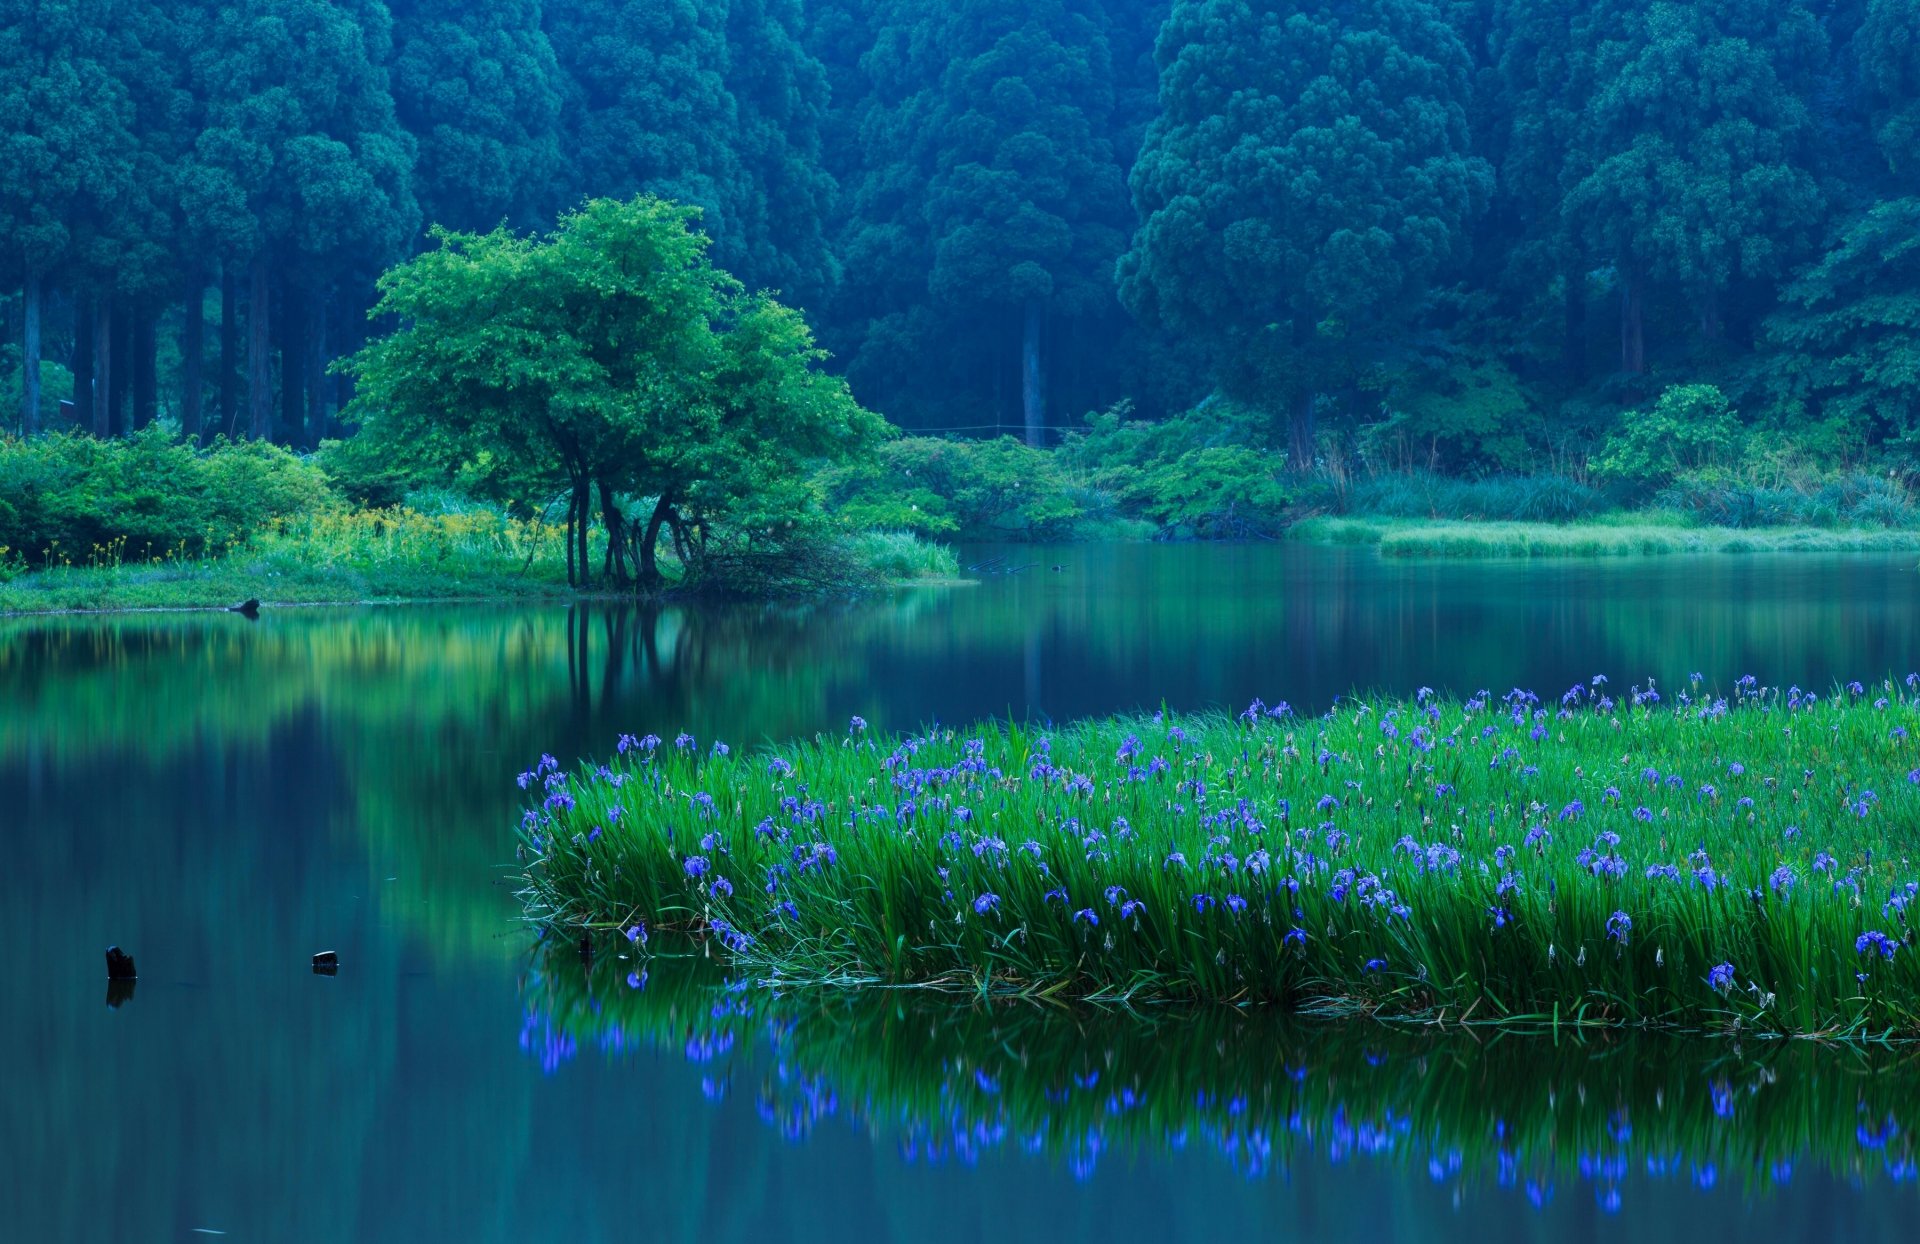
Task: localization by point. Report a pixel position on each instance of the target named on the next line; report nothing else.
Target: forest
(1468, 238)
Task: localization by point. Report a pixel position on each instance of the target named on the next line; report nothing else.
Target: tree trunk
(259, 364)
(81, 363)
(648, 571)
(1033, 397)
(1573, 342)
(30, 360)
(1713, 325)
(229, 349)
(145, 336)
(103, 366)
(616, 555)
(583, 506)
(573, 513)
(1303, 433)
(193, 331)
(316, 368)
(293, 364)
(1633, 339)
(119, 391)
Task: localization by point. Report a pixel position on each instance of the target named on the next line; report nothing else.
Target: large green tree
(66, 158)
(300, 167)
(1692, 161)
(611, 357)
(478, 87)
(712, 103)
(1307, 178)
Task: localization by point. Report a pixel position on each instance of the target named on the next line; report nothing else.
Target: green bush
(973, 490)
(1690, 428)
(72, 497)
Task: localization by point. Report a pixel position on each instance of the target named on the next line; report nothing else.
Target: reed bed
(1655, 857)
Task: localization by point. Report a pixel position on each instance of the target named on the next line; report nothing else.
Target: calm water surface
(225, 798)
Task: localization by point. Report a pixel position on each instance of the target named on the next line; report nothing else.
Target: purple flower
(1873, 940)
(696, 866)
(1720, 978)
(858, 725)
(1376, 965)
(1086, 914)
(684, 742)
(1619, 925)
(637, 933)
(721, 888)
(985, 903)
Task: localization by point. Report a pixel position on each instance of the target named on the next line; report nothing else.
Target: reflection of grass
(1263, 1091)
(1591, 861)
(1405, 538)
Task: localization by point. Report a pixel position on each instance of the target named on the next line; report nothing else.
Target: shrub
(146, 496)
(1690, 428)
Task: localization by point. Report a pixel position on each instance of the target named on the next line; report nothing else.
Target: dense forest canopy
(1462, 234)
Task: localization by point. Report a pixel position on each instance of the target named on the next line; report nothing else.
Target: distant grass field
(1625, 535)
(1634, 857)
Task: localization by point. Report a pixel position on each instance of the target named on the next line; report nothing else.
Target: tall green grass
(1260, 1090)
(1664, 858)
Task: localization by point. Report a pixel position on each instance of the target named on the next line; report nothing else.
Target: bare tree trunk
(30, 360)
(316, 368)
(193, 332)
(293, 364)
(117, 392)
(583, 505)
(1713, 325)
(1633, 338)
(1573, 343)
(144, 334)
(1033, 397)
(649, 568)
(103, 366)
(616, 555)
(81, 363)
(259, 364)
(229, 349)
(573, 515)
(1303, 436)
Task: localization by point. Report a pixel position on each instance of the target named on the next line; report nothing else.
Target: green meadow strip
(1651, 857)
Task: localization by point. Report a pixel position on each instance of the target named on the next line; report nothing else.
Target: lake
(224, 798)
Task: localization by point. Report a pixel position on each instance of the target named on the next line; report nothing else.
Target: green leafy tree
(66, 156)
(1693, 164)
(608, 358)
(1888, 45)
(1308, 177)
(1691, 427)
(712, 103)
(479, 89)
(1845, 348)
(300, 165)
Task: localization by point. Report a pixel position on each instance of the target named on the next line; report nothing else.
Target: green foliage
(1308, 176)
(1469, 415)
(1691, 427)
(1537, 915)
(71, 498)
(610, 357)
(971, 490)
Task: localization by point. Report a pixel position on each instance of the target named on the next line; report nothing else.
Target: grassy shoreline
(1692, 862)
(1626, 535)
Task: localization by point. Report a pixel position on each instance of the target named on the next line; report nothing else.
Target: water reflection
(225, 798)
(947, 1080)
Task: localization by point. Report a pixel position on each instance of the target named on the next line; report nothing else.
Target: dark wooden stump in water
(119, 992)
(326, 963)
(247, 609)
(586, 948)
(120, 965)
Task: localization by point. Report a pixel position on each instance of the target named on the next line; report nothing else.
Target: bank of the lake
(280, 569)
(1626, 534)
